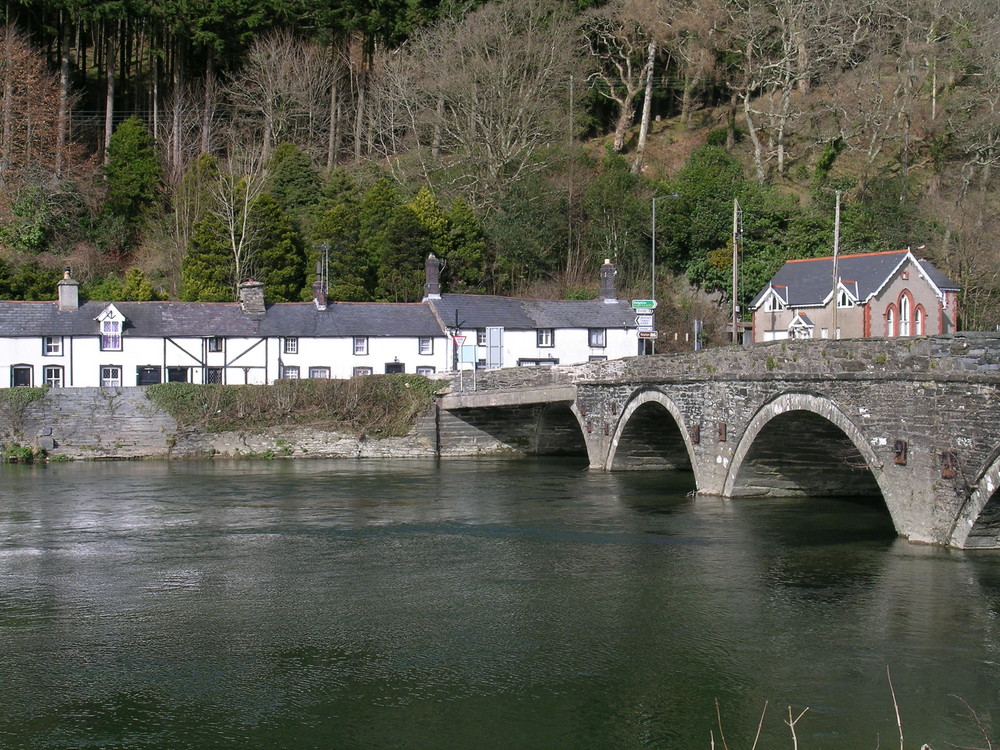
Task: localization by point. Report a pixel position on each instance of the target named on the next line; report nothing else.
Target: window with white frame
(774, 303)
(289, 372)
(111, 335)
(52, 346)
(52, 376)
(361, 371)
(360, 345)
(545, 338)
(426, 345)
(320, 373)
(291, 345)
(597, 337)
(480, 337)
(111, 376)
(214, 343)
(425, 370)
(844, 299)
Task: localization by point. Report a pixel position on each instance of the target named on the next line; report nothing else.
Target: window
(148, 375)
(425, 370)
(480, 337)
(21, 376)
(111, 335)
(426, 345)
(289, 372)
(360, 345)
(844, 299)
(597, 358)
(214, 343)
(213, 375)
(52, 346)
(919, 324)
(361, 371)
(320, 373)
(291, 345)
(824, 333)
(178, 375)
(597, 337)
(52, 376)
(536, 362)
(774, 303)
(545, 338)
(395, 368)
(890, 322)
(904, 315)
(111, 376)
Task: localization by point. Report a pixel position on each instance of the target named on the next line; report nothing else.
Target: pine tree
(207, 268)
(133, 171)
(280, 255)
(467, 258)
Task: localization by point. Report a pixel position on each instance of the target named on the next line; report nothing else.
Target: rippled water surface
(473, 604)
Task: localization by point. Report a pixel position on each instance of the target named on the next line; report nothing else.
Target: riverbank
(305, 421)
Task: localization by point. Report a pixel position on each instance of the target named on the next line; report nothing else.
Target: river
(474, 604)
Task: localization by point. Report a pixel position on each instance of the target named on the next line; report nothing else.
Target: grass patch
(372, 406)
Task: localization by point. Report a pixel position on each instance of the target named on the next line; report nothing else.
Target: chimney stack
(69, 292)
(252, 298)
(319, 287)
(608, 272)
(432, 278)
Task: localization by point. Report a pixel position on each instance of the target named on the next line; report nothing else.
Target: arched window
(919, 321)
(890, 321)
(904, 314)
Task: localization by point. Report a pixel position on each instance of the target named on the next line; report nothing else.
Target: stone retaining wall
(121, 423)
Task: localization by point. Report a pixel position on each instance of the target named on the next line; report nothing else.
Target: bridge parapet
(967, 356)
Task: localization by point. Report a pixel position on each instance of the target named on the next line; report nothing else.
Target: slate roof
(481, 311)
(808, 282)
(180, 319)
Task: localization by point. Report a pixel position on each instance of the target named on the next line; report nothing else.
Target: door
(494, 348)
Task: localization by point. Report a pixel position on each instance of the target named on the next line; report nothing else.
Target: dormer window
(111, 322)
(844, 299)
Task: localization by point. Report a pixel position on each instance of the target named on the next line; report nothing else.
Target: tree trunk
(758, 151)
(207, 104)
(647, 108)
(62, 122)
(111, 57)
(6, 131)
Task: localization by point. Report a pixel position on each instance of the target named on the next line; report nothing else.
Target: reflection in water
(470, 604)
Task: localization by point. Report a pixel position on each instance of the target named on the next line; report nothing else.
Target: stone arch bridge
(915, 420)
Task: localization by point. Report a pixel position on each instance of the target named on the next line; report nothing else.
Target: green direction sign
(644, 304)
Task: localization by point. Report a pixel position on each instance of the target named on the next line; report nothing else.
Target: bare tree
(29, 109)
(490, 91)
(618, 41)
(282, 93)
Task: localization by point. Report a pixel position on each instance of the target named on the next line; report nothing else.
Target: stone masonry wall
(121, 423)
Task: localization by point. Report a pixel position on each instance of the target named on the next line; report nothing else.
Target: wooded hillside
(165, 148)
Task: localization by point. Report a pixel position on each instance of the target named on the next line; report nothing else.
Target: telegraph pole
(836, 260)
(736, 270)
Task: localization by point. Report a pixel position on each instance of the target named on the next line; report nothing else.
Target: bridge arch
(802, 444)
(560, 431)
(641, 442)
(978, 523)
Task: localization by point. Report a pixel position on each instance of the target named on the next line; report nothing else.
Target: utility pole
(736, 271)
(836, 260)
